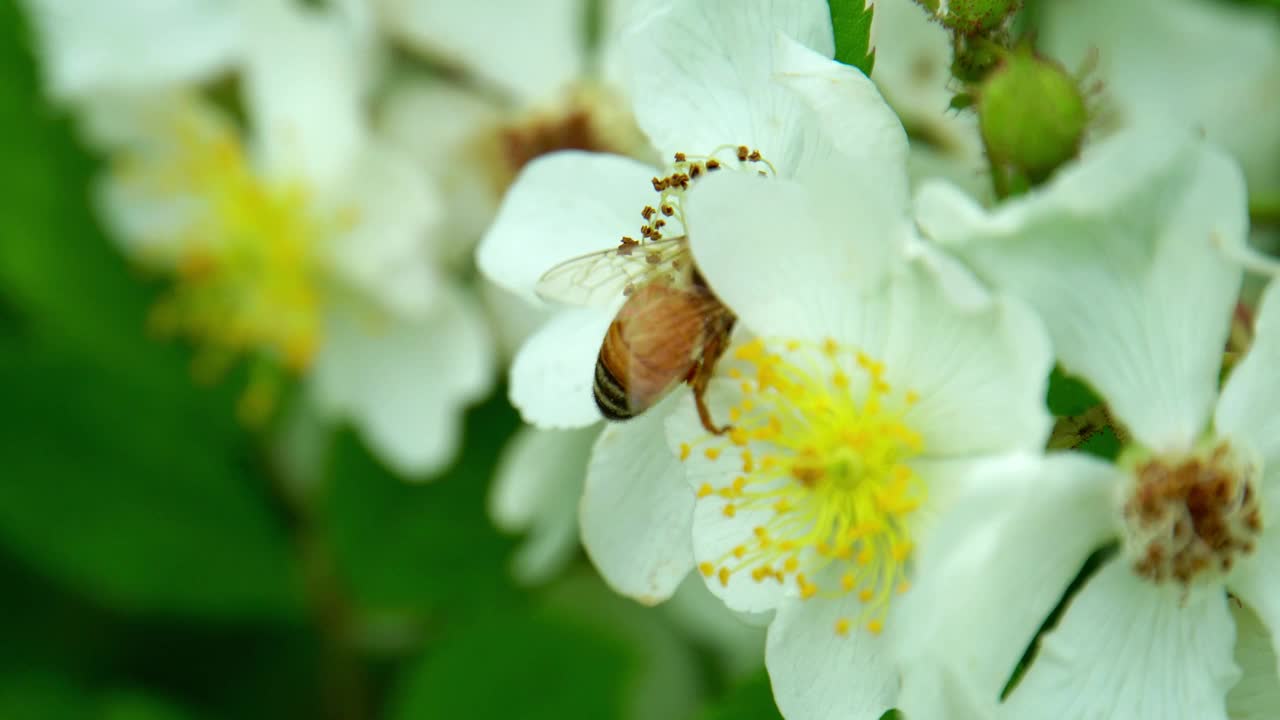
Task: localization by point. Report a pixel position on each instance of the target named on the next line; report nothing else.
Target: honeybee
(671, 328)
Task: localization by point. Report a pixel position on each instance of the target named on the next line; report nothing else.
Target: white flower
(873, 383)
(1120, 255)
(301, 240)
(1178, 65)
(701, 73)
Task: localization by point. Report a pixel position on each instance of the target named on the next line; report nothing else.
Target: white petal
(302, 91)
(1128, 649)
(536, 488)
(553, 372)
(995, 563)
(980, 372)
(1255, 581)
(529, 48)
(856, 121)
(1247, 408)
(701, 75)
(802, 266)
(637, 508)
(561, 206)
(386, 252)
(441, 127)
(133, 46)
(820, 674)
(405, 384)
(513, 319)
(1221, 81)
(715, 533)
(913, 70)
(1119, 256)
(1257, 695)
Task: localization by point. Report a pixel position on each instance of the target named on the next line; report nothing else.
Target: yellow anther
(840, 380)
(808, 590)
(735, 415)
(735, 373)
(866, 595)
(913, 397)
(706, 568)
(903, 587)
(684, 451)
(761, 532)
(729, 511)
(793, 345)
(748, 462)
(705, 490)
(842, 627)
(712, 453)
(876, 627)
(791, 564)
(738, 435)
(724, 577)
(830, 347)
(739, 483)
(750, 351)
(739, 551)
(847, 582)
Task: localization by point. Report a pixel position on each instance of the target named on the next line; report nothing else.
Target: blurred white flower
(1121, 256)
(1174, 65)
(913, 71)
(300, 240)
(701, 73)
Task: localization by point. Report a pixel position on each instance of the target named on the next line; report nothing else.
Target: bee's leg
(700, 376)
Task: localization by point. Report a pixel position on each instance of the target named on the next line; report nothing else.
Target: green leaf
(57, 270)
(1068, 396)
(49, 696)
(134, 496)
(401, 546)
(851, 25)
(750, 700)
(533, 665)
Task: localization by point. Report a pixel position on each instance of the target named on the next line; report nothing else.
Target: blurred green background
(155, 566)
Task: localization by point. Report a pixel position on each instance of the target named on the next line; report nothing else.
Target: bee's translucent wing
(599, 277)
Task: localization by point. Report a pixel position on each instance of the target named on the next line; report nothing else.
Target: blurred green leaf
(1068, 396)
(47, 696)
(55, 265)
(401, 545)
(127, 495)
(851, 25)
(751, 700)
(520, 664)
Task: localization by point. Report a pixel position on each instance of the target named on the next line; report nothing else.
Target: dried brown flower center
(1192, 518)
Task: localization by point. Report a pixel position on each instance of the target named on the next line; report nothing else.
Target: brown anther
(713, 164)
(754, 156)
(647, 212)
(743, 152)
(653, 258)
(628, 289)
(680, 157)
(668, 210)
(659, 184)
(694, 171)
(629, 240)
(646, 231)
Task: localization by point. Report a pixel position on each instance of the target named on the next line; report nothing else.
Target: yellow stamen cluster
(247, 277)
(821, 449)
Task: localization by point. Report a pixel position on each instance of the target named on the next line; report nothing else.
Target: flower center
(244, 246)
(824, 449)
(1189, 519)
(589, 119)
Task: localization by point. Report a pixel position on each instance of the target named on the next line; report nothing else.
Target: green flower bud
(1032, 115)
(978, 16)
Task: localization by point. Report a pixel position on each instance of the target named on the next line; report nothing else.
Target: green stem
(1264, 208)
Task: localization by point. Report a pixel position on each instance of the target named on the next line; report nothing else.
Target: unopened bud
(977, 16)
(1032, 115)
